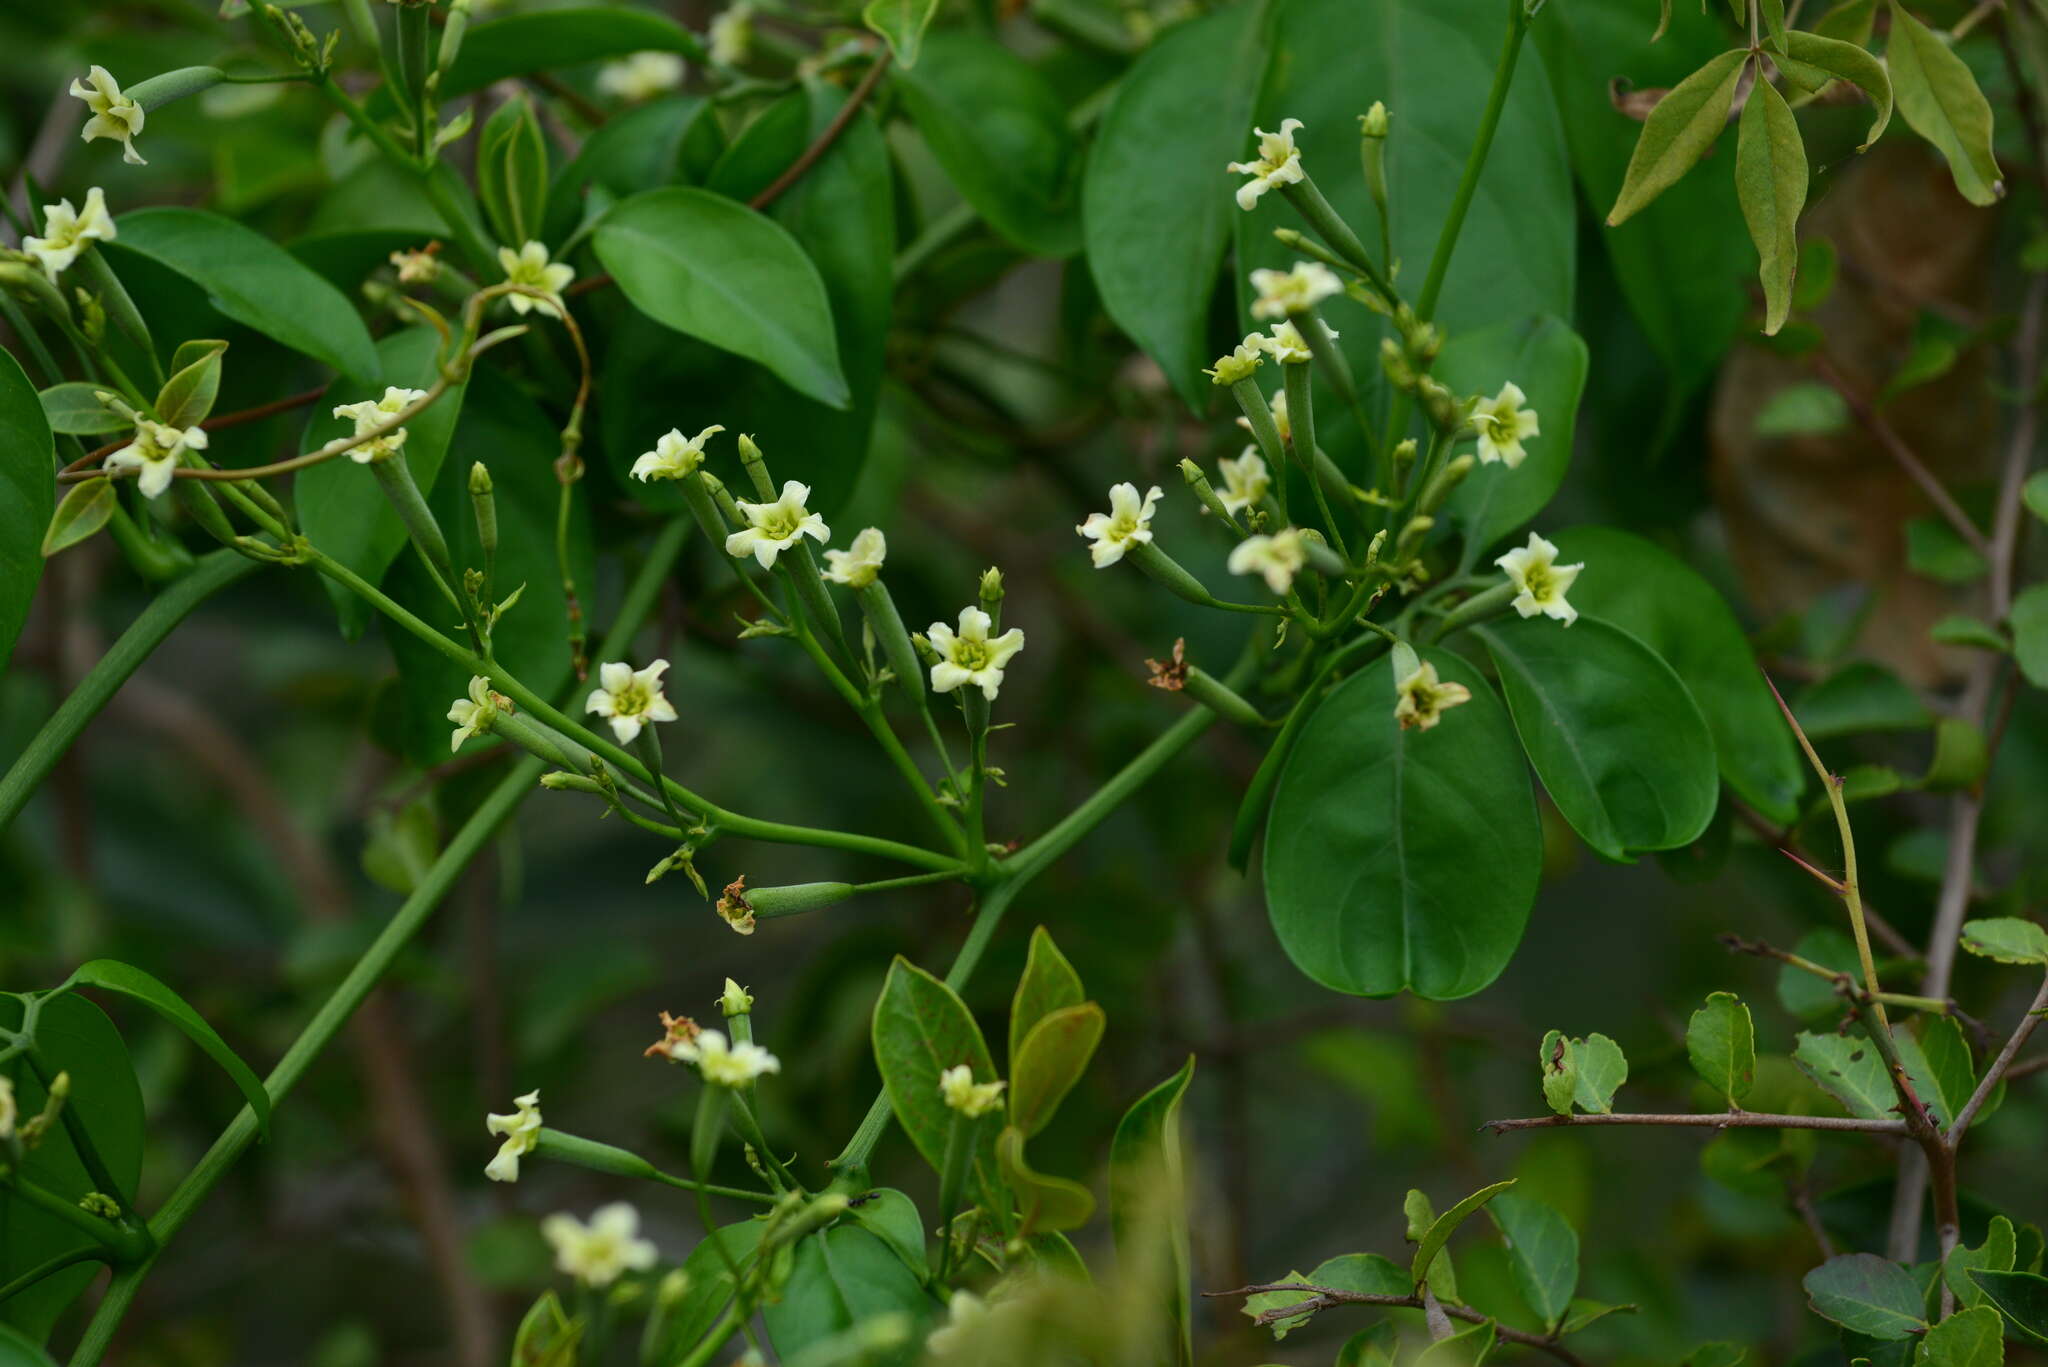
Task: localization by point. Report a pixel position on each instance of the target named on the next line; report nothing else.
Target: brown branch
(1737, 1120)
(1895, 446)
(2032, 1066)
(1324, 1297)
(235, 419)
(2000, 1066)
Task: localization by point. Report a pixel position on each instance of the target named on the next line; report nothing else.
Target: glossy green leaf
(900, 23)
(1968, 1338)
(1543, 1253)
(19, 1350)
(716, 270)
(1936, 550)
(1020, 169)
(1995, 1254)
(2022, 1297)
(1939, 1062)
(1368, 1273)
(1616, 738)
(1939, 98)
(2008, 939)
(342, 509)
(1678, 132)
(126, 980)
(891, 1216)
(512, 171)
(28, 499)
(1043, 1202)
(257, 283)
(2029, 622)
(1148, 1214)
(1602, 1068)
(1557, 1061)
(1720, 1041)
(839, 1278)
(1402, 859)
(1548, 360)
(1851, 63)
(1050, 1061)
(1048, 984)
(710, 1285)
(1444, 1226)
(922, 1028)
(1848, 1068)
(1770, 185)
(84, 510)
(547, 40)
(1866, 1294)
(187, 397)
(1806, 995)
(1156, 226)
(74, 407)
(663, 142)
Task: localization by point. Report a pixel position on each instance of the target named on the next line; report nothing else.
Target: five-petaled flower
(530, 266)
(857, 566)
(673, 457)
(1245, 480)
(774, 527)
(1286, 344)
(630, 698)
(114, 115)
(474, 714)
(969, 656)
(155, 451)
(1421, 698)
(66, 231)
(371, 414)
(641, 76)
(722, 1063)
(1277, 558)
(1278, 163)
(1128, 523)
(1542, 581)
(1282, 294)
(521, 1130)
(1502, 424)
(598, 1253)
(1244, 358)
(963, 1094)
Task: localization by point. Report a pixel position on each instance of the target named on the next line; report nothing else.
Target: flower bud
(797, 898)
(1372, 124)
(1404, 453)
(1444, 481)
(1445, 409)
(1199, 483)
(991, 592)
(485, 504)
(1394, 361)
(735, 1000)
(756, 467)
(562, 781)
(1320, 557)
(1164, 569)
(1412, 536)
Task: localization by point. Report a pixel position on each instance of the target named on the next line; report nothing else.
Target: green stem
(105, 1232)
(1475, 160)
(45, 1269)
(75, 1128)
(468, 239)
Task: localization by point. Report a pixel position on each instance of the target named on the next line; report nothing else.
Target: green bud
(1394, 361)
(1404, 453)
(735, 1000)
(1411, 537)
(722, 499)
(925, 650)
(100, 1204)
(991, 589)
(1163, 569)
(1445, 409)
(1320, 557)
(1444, 481)
(757, 468)
(563, 781)
(1211, 692)
(797, 898)
(451, 37)
(886, 624)
(485, 504)
(1372, 124)
(1199, 482)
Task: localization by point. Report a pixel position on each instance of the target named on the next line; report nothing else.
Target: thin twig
(1324, 1297)
(2000, 1066)
(1712, 1120)
(235, 419)
(1902, 455)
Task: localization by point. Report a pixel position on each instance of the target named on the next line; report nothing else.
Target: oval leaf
(1939, 99)
(1148, 1209)
(922, 1028)
(86, 507)
(74, 408)
(1445, 1225)
(1770, 184)
(1720, 1040)
(1050, 1062)
(1680, 129)
(1543, 1253)
(1867, 1294)
(840, 1278)
(110, 975)
(1049, 984)
(901, 23)
(550, 39)
(1852, 64)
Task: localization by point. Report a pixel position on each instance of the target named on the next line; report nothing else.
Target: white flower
(970, 657)
(114, 115)
(1278, 163)
(775, 527)
(155, 450)
(597, 1254)
(1421, 698)
(1502, 424)
(723, 1063)
(521, 1130)
(66, 231)
(371, 414)
(1245, 480)
(1283, 294)
(474, 714)
(9, 1110)
(1542, 581)
(1278, 558)
(1243, 359)
(673, 457)
(630, 698)
(641, 76)
(1128, 523)
(857, 566)
(732, 34)
(963, 1094)
(418, 267)
(1288, 346)
(530, 266)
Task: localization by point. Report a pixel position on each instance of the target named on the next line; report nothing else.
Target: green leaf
(1548, 360)
(19, 1350)
(839, 1278)
(110, 975)
(922, 1028)
(1968, 1338)
(1678, 132)
(1995, 1254)
(1866, 1294)
(1543, 1253)
(1366, 1273)
(188, 396)
(1155, 226)
(710, 1286)
(901, 23)
(2008, 939)
(1049, 983)
(1444, 1226)
(716, 270)
(2035, 494)
(1961, 755)
(72, 1036)
(1043, 1202)
(1602, 1069)
(548, 40)
(1859, 697)
(1850, 62)
(1557, 1060)
(512, 171)
(1019, 170)
(1937, 1059)
(1720, 1040)
(1802, 410)
(891, 1216)
(1148, 1213)
(1617, 740)
(1770, 184)
(341, 507)
(2029, 622)
(1806, 995)
(28, 499)
(74, 408)
(86, 507)
(1939, 98)
(1848, 1068)
(2022, 1297)
(1469, 1347)
(252, 280)
(1957, 629)
(547, 1336)
(672, 141)
(1402, 859)
(1049, 1063)
(1936, 550)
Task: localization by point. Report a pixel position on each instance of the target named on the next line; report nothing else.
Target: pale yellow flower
(1128, 523)
(673, 456)
(858, 566)
(599, 1253)
(1502, 424)
(969, 656)
(1422, 698)
(775, 527)
(521, 1130)
(1278, 163)
(970, 1098)
(66, 231)
(630, 699)
(1282, 294)
(114, 115)
(1276, 558)
(531, 267)
(1542, 581)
